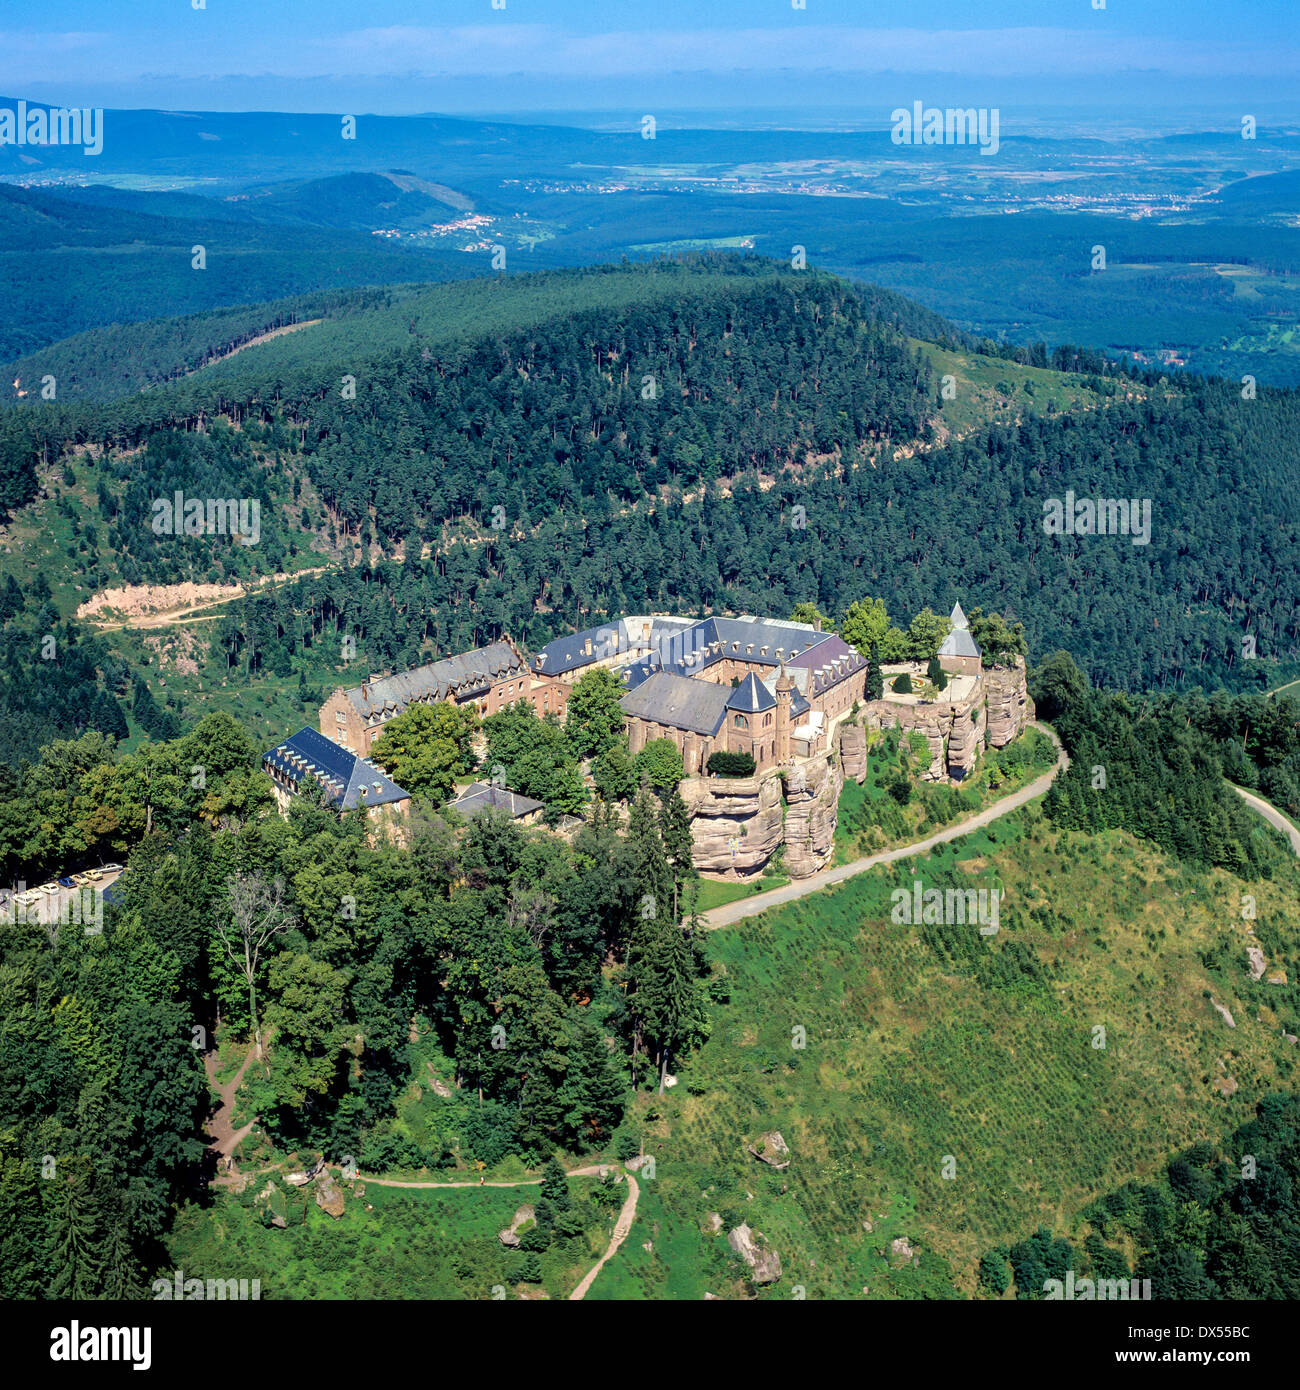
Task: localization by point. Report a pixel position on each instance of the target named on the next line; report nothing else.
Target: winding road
(622, 1225)
(1271, 814)
(730, 913)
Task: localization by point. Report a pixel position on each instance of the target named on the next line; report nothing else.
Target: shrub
(731, 764)
(901, 685)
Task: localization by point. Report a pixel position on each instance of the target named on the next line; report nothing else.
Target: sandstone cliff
(1009, 705)
(853, 752)
(813, 796)
(737, 823)
(744, 812)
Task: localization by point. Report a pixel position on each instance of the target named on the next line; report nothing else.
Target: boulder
(713, 1223)
(522, 1217)
(329, 1197)
(772, 1149)
(900, 1248)
(1257, 962)
(765, 1263)
(1223, 1013)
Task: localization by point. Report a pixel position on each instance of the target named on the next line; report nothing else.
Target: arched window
(741, 722)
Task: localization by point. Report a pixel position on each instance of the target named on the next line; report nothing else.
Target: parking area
(53, 900)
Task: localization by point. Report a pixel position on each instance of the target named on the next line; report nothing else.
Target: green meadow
(932, 1050)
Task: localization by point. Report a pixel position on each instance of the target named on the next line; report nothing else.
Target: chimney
(365, 690)
(586, 646)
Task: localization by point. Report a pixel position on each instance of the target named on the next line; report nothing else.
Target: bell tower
(784, 692)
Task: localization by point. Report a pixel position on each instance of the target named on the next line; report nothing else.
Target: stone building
(755, 685)
(958, 653)
(490, 678)
(560, 664)
(348, 781)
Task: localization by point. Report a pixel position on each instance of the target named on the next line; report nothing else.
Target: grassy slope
(910, 1060)
(981, 394)
(425, 1244)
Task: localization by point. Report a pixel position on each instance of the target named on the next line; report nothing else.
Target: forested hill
(533, 454)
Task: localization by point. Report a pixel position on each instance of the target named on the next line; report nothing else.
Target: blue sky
(463, 55)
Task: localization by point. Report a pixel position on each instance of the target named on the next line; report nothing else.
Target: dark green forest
(1156, 765)
(100, 1071)
(1219, 1223)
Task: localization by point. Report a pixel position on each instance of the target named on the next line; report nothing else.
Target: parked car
(29, 897)
(93, 874)
(112, 868)
(50, 888)
(67, 883)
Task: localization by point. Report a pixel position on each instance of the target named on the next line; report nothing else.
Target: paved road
(1273, 816)
(730, 913)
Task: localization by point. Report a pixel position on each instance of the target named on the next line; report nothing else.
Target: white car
(50, 888)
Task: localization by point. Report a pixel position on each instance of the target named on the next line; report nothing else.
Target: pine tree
(875, 687)
(592, 1093)
(645, 867)
(675, 832)
(667, 999)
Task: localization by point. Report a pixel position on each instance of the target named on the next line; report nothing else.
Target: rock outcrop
(853, 752)
(329, 1196)
(993, 714)
(1009, 705)
(736, 822)
(771, 1148)
(812, 792)
(765, 1263)
(510, 1236)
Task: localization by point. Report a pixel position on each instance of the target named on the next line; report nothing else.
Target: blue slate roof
(482, 796)
(751, 697)
(679, 702)
(465, 675)
(348, 780)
